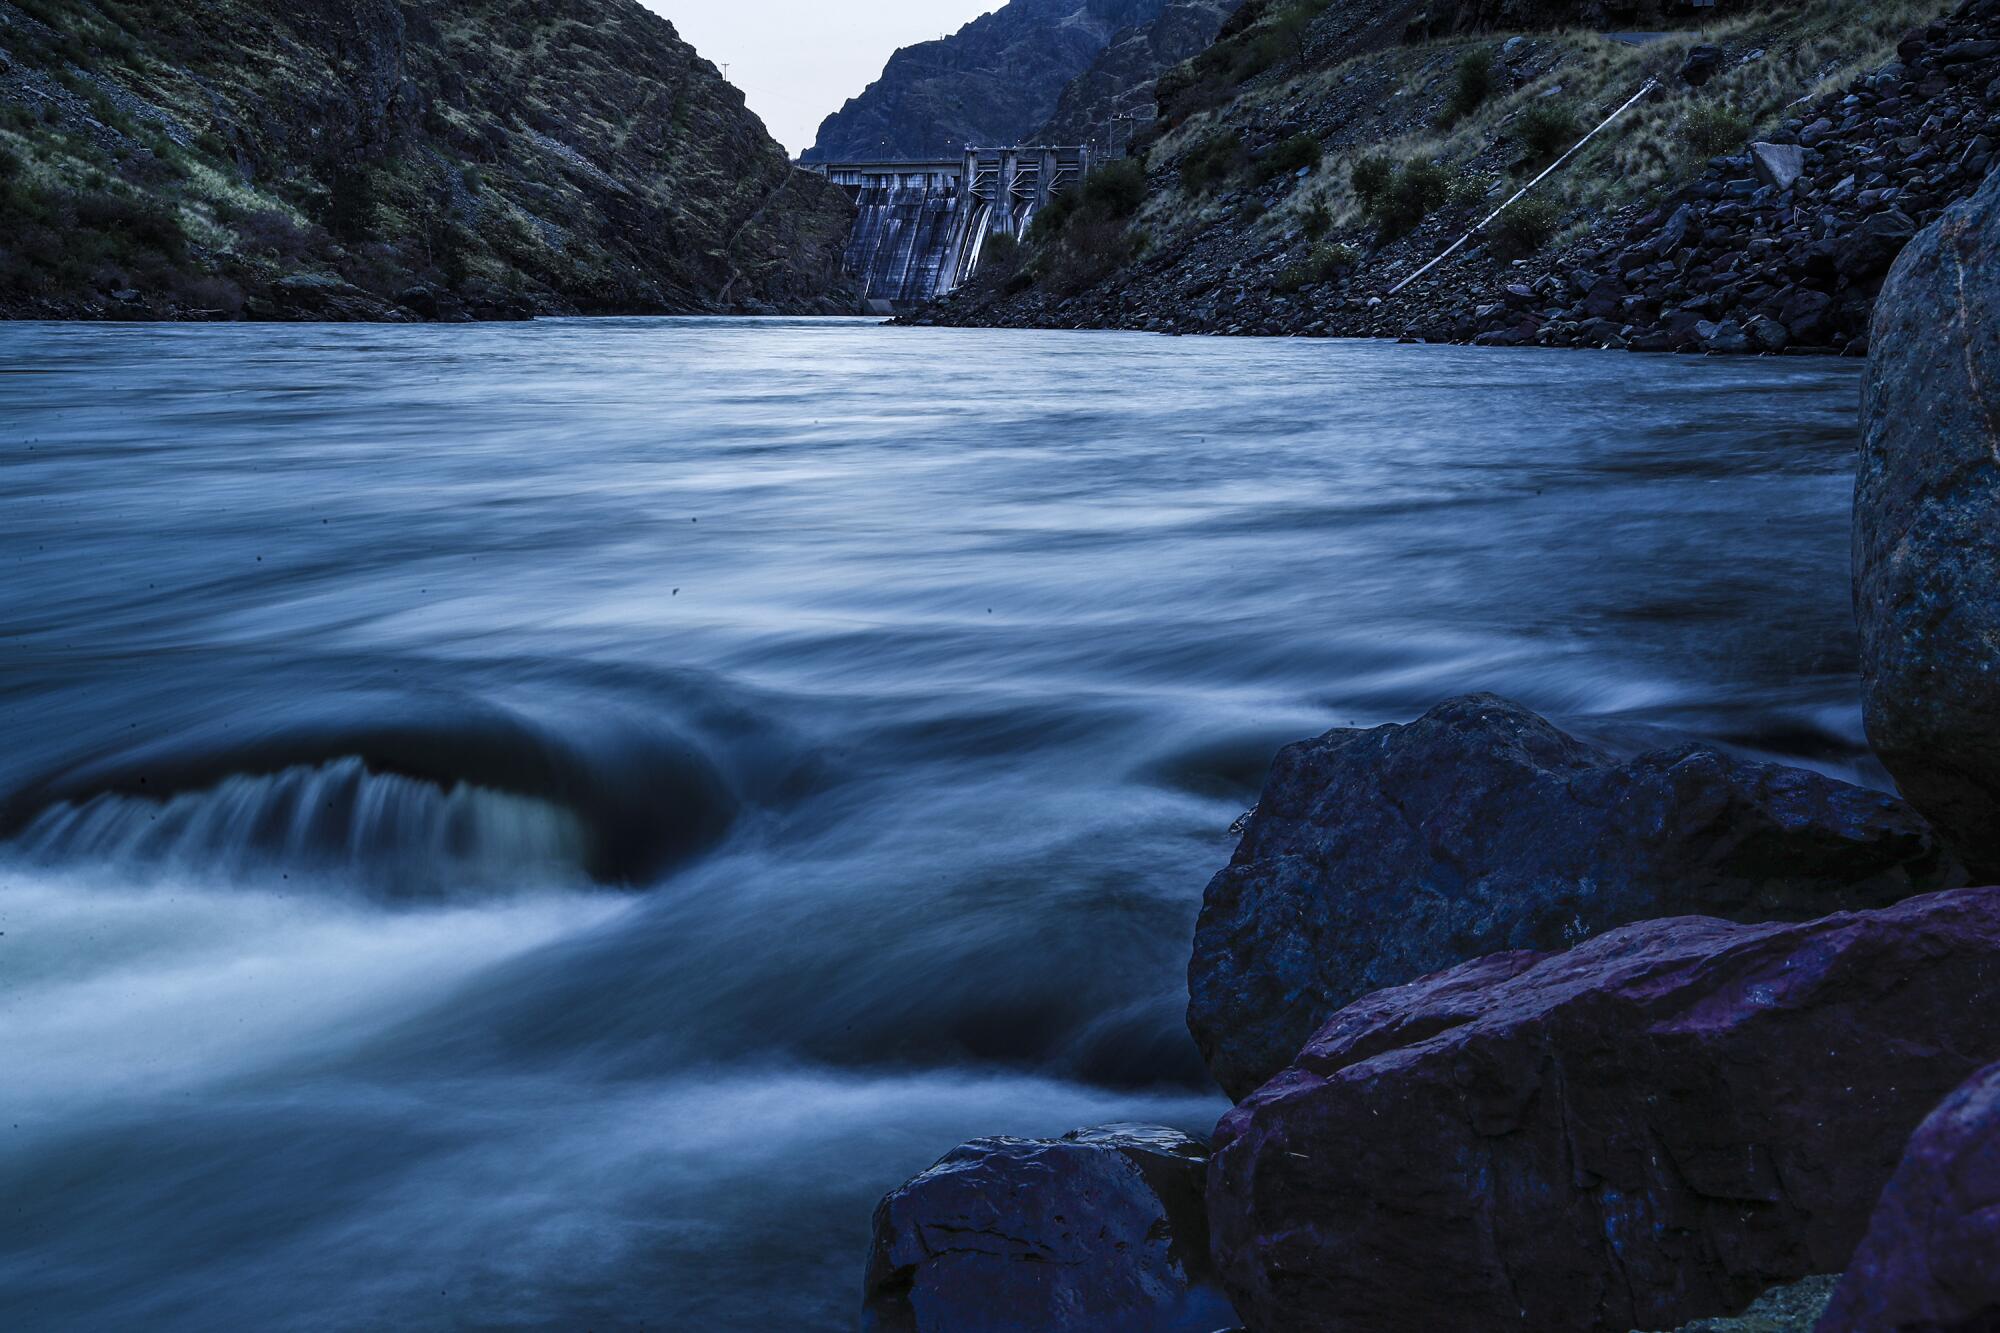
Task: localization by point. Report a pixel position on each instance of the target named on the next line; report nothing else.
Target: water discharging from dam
(921, 228)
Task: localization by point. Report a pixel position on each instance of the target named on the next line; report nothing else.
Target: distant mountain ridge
(1114, 100)
(998, 80)
(390, 159)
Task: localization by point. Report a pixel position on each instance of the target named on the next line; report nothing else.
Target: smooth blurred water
(541, 826)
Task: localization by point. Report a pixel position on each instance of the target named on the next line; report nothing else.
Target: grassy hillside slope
(1319, 152)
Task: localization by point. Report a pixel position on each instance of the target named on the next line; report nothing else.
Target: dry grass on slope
(1392, 104)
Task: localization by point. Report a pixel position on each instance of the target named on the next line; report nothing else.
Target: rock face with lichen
(1379, 856)
(390, 159)
(1927, 527)
(1653, 1127)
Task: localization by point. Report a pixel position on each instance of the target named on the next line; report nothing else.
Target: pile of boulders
(1525, 1036)
(1782, 248)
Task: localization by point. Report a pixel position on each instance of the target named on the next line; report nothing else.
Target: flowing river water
(540, 826)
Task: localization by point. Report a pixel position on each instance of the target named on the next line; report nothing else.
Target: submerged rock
(1379, 856)
(1100, 1231)
(1931, 1262)
(1927, 527)
(1654, 1127)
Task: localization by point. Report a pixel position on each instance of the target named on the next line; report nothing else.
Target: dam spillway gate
(921, 228)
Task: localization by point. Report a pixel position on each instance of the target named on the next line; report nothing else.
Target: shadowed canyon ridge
(1006, 78)
(388, 160)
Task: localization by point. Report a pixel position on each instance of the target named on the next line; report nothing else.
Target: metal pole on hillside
(1546, 172)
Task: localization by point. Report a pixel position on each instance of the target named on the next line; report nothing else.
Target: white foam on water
(114, 989)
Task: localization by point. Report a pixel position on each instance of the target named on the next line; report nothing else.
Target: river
(540, 826)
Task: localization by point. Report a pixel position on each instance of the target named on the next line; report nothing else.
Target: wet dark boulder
(1931, 1261)
(1927, 527)
(1379, 856)
(1654, 1127)
(1100, 1231)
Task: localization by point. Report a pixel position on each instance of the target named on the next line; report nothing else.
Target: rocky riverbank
(1525, 1036)
(1778, 245)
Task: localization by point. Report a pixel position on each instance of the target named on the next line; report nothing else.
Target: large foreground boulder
(1651, 1128)
(1380, 856)
(1100, 1231)
(1927, 527)
(1931, 1262)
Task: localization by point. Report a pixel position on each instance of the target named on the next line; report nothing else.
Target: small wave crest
(339, 818)
(401, 806)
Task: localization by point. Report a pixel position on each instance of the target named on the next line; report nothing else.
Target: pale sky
(798, 60)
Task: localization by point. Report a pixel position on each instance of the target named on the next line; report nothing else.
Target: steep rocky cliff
(994, 82)
(389, 159)
(1114, 100)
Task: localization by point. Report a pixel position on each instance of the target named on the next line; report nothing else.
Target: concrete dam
(920, 228)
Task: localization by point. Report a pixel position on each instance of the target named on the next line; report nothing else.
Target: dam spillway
(920, 228)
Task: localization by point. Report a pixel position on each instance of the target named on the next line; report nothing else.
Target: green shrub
(1112, 192)
(1317, 222)
(10, 164)
(1470, 190)
(1323, 263)
(1713, 129)
(1471, 88)
(1546, 131)
(1081, 234)
(1372, 176)
(130, 226)
(1526, 227)
(1090, 246)
(1052, 217)
(1211, 162)
(1417, 191)
(1292, 29)
(1116, 189)
(1301, 150)
(352, 203)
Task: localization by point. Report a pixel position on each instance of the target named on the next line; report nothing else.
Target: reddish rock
(1380, 856)
(1931, 1262)
(1651, 1128)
